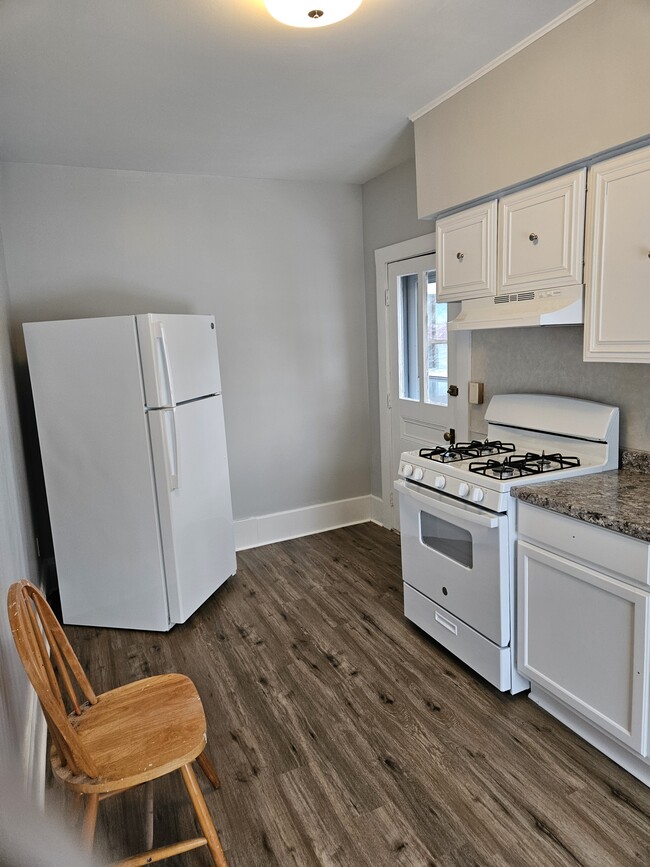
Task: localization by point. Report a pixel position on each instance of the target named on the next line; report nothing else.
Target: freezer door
(179, 358)
(193, 485)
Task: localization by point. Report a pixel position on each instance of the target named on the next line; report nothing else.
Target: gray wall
(579, 90)
(389, 216)
(17, 555)
(280, 265)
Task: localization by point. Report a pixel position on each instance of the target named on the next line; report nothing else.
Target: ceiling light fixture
(311, 13)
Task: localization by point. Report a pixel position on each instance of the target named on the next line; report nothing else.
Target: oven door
(457, 555)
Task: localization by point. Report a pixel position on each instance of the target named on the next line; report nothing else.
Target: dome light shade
(311, 13)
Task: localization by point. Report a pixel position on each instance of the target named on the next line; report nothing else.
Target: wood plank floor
(345, 736)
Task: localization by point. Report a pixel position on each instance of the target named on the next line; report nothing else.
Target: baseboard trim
(280, 526)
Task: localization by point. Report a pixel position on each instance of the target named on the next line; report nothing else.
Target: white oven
(458, 521)
(456, 554)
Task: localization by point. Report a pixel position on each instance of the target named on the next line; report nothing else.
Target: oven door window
(447, 539)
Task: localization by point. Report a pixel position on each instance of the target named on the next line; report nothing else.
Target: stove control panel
(437, 479)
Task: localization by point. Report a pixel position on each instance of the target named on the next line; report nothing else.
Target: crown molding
(565, 16)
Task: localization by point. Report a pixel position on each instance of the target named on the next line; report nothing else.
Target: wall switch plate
(476, 392)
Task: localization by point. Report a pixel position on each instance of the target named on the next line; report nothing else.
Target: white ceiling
(219, 87)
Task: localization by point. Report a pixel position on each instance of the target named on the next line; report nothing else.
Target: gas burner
(530, 464)
(466, 451)
(478, 449)
(442, 454)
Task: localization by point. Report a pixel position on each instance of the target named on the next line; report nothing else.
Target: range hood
(560, 306)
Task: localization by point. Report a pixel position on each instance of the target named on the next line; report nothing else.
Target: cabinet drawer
(487, 659)
(466, 252)
(582, 636)
(541, 235)
(622, 556)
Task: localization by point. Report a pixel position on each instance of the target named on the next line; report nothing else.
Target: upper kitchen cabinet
(617, 254)
(541, 235)
(466, 251)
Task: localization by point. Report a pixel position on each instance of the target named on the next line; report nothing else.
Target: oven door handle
(433, 502)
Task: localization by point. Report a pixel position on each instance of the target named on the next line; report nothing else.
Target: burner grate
(466, 451)
(517, 466)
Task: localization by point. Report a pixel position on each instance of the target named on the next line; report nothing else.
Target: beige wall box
(475, 392)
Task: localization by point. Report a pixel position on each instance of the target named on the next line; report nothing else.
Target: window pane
(409, 375)
(436, 348)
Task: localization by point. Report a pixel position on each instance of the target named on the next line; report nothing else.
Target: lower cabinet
(583, 638)
(583, 597)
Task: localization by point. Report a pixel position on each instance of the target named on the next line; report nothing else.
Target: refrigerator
(130, 421)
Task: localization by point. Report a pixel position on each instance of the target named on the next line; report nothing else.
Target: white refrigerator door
(101, 494)
(193, 487)
(179, 358)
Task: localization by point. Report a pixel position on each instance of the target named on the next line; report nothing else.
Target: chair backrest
(37, 633)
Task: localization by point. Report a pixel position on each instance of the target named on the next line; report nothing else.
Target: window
(408, 327)
(436, 346)
(434, 340)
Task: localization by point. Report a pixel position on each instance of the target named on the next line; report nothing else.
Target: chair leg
(201, 810)
(90, 822)
(74, 807)
(208, 769)
(148, 816)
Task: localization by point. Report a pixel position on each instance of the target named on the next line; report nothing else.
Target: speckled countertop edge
(617, 500)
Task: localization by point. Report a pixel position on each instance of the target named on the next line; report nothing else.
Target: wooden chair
(120, 739)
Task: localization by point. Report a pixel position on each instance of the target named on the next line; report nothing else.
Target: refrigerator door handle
(171, 448)
(163, 356)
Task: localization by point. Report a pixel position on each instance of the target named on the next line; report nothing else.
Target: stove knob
(463, 489)
(407, 470)
(477, 495)
(439, 482)
(418, 474)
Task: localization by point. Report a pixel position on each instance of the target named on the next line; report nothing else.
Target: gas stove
(458, 521)
(530, 438)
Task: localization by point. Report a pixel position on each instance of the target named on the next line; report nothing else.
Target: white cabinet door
(583, 637)
(541, 235)
(617, 310)
(466, 250)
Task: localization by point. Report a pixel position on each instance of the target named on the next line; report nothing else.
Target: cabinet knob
(461, 256)
(533, 237)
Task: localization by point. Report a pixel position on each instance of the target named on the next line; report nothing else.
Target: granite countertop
(618, 500)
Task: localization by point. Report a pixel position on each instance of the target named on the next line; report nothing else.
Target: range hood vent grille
(519, 296)
(559, 306)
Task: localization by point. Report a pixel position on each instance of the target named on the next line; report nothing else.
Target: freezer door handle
(164, 380)
(171, 448)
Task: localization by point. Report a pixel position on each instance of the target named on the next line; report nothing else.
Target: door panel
(582, 636)
(179, 358)
(189, 445)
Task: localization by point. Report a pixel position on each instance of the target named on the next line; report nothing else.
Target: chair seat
(137, 733)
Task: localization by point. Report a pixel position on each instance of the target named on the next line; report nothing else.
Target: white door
(193, 488)
(428, 367)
